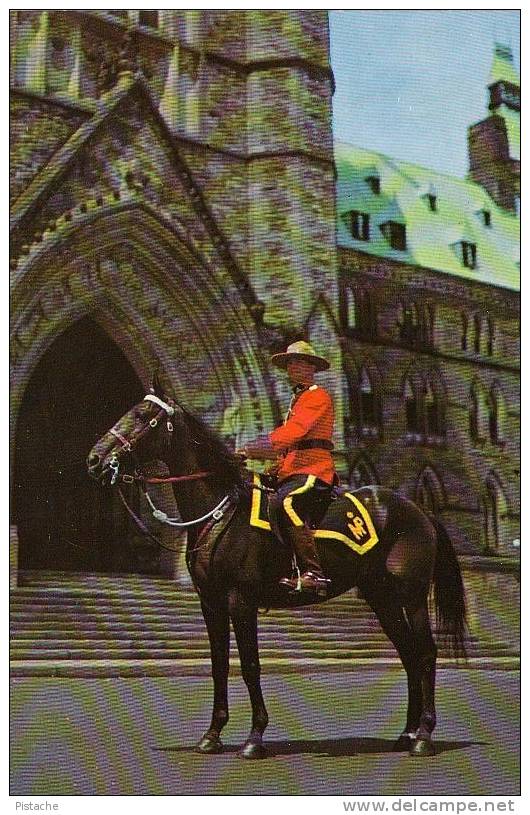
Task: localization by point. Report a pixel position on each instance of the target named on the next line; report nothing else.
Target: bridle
(128, 446)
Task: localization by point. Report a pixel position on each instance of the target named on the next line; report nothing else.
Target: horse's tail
(448, 592)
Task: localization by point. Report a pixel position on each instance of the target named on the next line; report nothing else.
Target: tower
(494, 143)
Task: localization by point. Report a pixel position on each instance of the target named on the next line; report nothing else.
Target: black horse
(235, 567)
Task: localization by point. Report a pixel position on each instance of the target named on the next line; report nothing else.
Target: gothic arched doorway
(81, 386)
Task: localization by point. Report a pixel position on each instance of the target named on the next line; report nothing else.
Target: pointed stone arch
(478, 411)
(413, 390)
(162, 302)
(494, 512)
(81, 385)
(435, 403)
(363, 472)
(497, 414)
(430, 492)
(161, 297)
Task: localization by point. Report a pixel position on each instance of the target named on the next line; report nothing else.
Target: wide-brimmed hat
(300, 350)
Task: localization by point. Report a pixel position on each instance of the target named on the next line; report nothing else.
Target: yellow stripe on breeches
(288, 500)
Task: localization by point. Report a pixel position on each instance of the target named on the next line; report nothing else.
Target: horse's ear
(161, 384)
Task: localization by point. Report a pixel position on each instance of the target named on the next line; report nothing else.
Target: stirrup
(319, 588)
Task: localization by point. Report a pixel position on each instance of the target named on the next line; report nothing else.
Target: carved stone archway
(163, 304)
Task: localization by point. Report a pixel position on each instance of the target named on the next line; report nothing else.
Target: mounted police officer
(305, 471)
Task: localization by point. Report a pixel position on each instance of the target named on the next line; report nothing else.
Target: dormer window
(469, 254)
(485, 216)
(396, 235)
(466, 251)
(359, 224)
(374, 182)
(431, 201)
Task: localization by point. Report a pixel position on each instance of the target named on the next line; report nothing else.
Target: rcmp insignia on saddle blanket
(346, 520)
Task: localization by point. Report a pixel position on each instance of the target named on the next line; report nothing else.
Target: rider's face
(300, 371)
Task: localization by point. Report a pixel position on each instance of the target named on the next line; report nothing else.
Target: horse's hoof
(209, 745)
(422, 747)
(403, 744)
(252, 751)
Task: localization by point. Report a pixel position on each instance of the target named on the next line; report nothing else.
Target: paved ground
(330, 734)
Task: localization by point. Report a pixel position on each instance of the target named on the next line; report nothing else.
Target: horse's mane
(213, 452)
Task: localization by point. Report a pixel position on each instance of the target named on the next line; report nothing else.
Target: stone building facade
(172, 206)
(173, 181)
(429, 311)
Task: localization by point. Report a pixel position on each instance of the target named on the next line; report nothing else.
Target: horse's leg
(218, 624)
(418, 615)
(395, 624)
(245, 622)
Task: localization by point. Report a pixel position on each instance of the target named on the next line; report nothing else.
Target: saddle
(346, 519)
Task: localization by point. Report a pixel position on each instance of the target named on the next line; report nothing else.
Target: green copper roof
(433, 238)
(502, 68)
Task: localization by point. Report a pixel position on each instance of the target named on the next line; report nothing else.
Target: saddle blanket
(346, 520)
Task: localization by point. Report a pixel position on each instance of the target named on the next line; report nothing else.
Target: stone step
(199, 631)
(155, 606)
(95, 619)
(179, 654)
(176, 601)
(106, 668)
(277, 640)
(152, 650)
(143, 618)
(194, 653)
(184, 642)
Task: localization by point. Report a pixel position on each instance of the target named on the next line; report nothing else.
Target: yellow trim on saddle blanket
(358, 529)
(360, 525)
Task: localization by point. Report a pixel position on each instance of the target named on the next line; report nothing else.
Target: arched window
(490, 337)
(412, 409)
(477, 333)
(367, 401)
(494, 509)
(409, 323)
(362, 474)
(478, 413)
(434, 405)
(367, 408)
(473, 414)
(366, 315)
(416, 324)
(431, 412)
(429, 491)
(463, 335)
(428, 322)
(496, 414)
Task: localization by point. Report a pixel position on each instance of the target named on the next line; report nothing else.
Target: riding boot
(312, 579)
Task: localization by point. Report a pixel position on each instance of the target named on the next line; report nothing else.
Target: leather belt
(312, 444)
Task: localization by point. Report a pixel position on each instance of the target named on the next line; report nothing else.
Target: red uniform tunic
(310, 417)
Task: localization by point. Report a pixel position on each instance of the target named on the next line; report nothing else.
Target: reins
(174, 479)
(213, 516)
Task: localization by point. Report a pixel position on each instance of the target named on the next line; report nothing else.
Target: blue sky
(409, 83)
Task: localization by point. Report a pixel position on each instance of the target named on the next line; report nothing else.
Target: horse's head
(142, 434)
